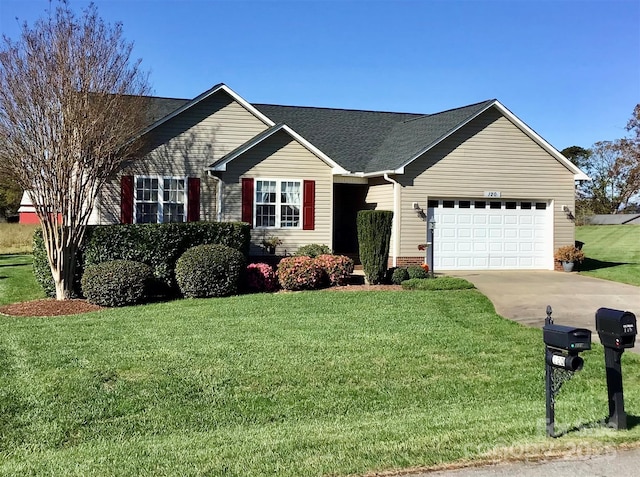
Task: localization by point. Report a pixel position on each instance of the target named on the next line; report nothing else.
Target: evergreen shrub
(313, 250)
(374, 234)
(117, 283)
(209, 271)
(399, 275)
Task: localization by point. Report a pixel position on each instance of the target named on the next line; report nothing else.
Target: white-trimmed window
(160, 199)
(278, 203)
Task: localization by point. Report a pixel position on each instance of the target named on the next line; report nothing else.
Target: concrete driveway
(523, 296)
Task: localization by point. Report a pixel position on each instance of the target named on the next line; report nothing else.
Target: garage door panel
(491, 238)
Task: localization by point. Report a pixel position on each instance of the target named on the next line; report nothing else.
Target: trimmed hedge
(157, 245)
(299, 273)
(374, 235)
(117, 283)
(336, 269)
(440, 283)
(260, 277)
(313, 250)
(209, 271)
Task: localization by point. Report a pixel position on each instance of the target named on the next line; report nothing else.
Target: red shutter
(247, 200)
(193, 198)
(126, 199)
(308, 205)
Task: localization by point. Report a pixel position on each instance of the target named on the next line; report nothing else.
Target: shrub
(160, 245)
(299, 273)
(569, 253)
(399, 275)
(440, 283)
(157, 245)
(337, 269)
(313, 250)
(261, 277)
(117, 283)
(417, 271)
(209, 271)
(374, 234)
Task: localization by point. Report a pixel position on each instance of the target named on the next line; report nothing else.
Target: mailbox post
(617, 331)
(562, 345)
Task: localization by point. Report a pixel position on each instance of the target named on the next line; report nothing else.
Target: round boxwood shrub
(299, 273)
(417, 272)
(209, 271)
(117, 283)
(260, 277)
(313, 250)
(399, 276)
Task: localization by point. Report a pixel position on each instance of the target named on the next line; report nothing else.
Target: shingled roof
(370, 141)
(357, 141)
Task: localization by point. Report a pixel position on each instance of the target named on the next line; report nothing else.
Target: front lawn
(613, 252)
(291, 384)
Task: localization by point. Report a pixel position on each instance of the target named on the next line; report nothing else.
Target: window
(160, 199)
(464, 204)
(277, 203)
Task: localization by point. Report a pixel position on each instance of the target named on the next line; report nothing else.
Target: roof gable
(161, 105)
(221, 164)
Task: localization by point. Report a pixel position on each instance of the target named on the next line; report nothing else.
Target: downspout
(395, 227)
(218, 196)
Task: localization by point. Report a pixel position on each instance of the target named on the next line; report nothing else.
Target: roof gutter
(395, 227)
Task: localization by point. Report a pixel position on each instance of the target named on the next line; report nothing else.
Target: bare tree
(70, 101)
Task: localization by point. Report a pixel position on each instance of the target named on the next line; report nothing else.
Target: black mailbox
(617, 329)
(567, 337)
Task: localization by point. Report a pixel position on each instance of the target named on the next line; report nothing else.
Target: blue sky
(569, 69)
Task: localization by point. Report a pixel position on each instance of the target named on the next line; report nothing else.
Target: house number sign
(492, 194)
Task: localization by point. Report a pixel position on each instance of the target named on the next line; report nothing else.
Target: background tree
(10, 195)
(614, 168)
(69, 102)
(578, 155)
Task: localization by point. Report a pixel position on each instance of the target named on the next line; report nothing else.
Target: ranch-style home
(495, 193)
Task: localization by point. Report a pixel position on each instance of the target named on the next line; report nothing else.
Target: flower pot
(567, 266)
(271, 250)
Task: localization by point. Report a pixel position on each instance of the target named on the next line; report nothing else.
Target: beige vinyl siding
(488, 154)
(280, 157)
(380, 197)
(185, 145)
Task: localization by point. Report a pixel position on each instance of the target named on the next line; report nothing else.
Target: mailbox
(617, 329)
(567, 338)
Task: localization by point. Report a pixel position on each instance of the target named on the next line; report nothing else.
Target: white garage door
(492, 234)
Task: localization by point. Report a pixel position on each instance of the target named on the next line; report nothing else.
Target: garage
(492, 234)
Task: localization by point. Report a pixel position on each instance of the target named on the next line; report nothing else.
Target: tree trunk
(63, 272)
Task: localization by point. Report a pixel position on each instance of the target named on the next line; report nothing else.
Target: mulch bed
(51, 307)
(48, 307)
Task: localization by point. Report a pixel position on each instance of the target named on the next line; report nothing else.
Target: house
(496, 191)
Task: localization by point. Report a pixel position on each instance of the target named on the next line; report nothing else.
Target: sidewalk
(621, 463)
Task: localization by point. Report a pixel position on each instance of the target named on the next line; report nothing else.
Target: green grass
(613, 252)
(17, 282)
(291, 384)
(16, 238)
(440, 283)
